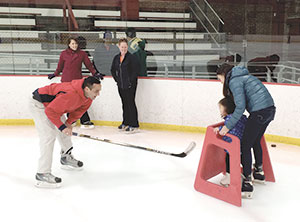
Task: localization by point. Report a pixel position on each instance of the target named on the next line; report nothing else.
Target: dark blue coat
(237, 130)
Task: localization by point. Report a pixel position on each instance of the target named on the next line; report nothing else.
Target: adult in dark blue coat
(249, 94)
(124, 69)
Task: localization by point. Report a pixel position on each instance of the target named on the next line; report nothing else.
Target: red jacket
(61, 98)
(70, 64)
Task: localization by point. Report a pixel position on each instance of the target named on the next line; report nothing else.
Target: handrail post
(194, 72)
(30, 65)
(166, 70)
(71, 15)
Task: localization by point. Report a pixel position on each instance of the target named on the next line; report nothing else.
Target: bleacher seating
(172, 38)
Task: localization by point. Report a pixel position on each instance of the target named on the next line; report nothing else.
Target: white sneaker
(225, 181)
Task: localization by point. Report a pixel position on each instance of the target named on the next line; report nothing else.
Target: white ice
(125, 184)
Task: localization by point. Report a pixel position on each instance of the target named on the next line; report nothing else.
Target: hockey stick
(183, 154)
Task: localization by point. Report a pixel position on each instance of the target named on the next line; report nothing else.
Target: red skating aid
(212, 162)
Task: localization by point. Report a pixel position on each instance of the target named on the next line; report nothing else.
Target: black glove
(99, 75)
(51, 76)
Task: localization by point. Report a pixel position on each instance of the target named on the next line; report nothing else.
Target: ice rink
(125, 184)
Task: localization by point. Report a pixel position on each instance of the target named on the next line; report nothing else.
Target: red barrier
(212, 163)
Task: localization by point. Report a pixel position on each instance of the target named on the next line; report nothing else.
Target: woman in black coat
(124, 69)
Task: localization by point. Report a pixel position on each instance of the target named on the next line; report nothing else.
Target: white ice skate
(68, 162)
(225, 181)
(47, 180)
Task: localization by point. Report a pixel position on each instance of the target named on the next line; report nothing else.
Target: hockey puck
(273, 145)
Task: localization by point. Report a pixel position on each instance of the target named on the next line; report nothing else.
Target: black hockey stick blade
(183, 154)
(187, 151)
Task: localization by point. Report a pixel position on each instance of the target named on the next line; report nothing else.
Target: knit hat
(107, 35)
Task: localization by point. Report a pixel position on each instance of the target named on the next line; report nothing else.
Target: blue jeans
(255, 128)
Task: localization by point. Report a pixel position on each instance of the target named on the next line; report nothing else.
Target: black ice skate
(87, 125)
(131, 129)
(122, 127)
(258, 175)
(247, 187)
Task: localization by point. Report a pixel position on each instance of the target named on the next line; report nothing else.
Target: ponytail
(225, 70)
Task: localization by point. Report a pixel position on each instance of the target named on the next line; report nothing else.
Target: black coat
(125, 73)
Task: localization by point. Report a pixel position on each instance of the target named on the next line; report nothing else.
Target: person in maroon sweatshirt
(48, 106)
(70, 64)
(259, 67)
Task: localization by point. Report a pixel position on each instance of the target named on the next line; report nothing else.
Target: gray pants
(47, 132)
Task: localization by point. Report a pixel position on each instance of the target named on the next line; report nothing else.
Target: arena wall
(175, 104)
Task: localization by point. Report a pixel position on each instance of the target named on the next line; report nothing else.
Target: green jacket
(136, 46)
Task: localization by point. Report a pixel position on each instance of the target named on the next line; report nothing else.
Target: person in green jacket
(136, 46)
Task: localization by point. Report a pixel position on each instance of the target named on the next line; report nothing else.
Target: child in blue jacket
(227, 107)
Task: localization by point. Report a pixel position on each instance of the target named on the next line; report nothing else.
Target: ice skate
(258, 175)
(69, 162)
(47, 180)
(225, 181)
(87, 125)
(131, 129)
(247, 187)
(122, 127)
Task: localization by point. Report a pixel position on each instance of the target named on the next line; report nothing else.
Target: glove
(99, 75)
(51, 76)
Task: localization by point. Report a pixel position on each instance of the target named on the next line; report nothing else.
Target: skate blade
(87, 127)
(259, 181)
(71, 168)
(132, 132)
(247, 195)
(43, 184)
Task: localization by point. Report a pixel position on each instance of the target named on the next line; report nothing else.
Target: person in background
(226, 107)
(213, 65)
(124, 69)
(136, 46)
(104, 54)
(48, 105)
(249, 94)
(260, 66)
(70, 64)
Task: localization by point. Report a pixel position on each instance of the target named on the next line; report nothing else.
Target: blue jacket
(248, 93)
(237, 130)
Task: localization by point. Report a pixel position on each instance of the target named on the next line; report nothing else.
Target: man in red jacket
(48, 106)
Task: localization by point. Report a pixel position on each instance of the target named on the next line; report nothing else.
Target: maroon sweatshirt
(70, 64)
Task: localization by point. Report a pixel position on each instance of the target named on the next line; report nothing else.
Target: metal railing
(194, 7)
(285, 72)
(37, 65)
(288, 74)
